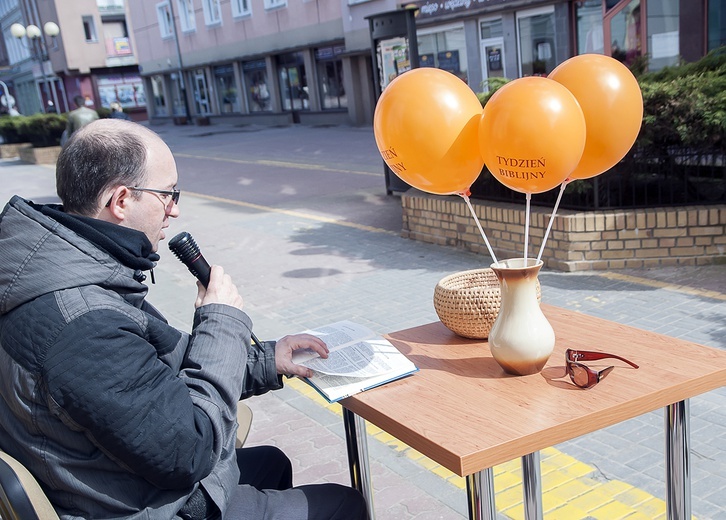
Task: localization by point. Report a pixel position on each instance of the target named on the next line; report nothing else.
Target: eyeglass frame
(173, 193)
(572, 356)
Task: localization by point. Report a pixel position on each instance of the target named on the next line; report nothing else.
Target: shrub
(43, 129)
(10, 131)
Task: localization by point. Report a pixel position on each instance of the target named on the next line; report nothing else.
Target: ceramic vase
(521, 339)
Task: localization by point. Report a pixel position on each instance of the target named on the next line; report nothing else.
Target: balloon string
(526, 228)
(552, 218)
(473, 214)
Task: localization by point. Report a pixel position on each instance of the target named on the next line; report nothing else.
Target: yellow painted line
(663, 285)
(297, 214)
(284, 164)
(569, 487)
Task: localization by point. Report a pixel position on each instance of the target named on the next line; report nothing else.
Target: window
(716, 24)
(663, 34)
(186, 15)
(536, 32)
(89, 29)
(330, 74)
(241, 8)
(255, 78)
(589, 27)
(226, 88)
(157, 89)
(293, 81)
(212, 13)
(275, 4)
(444, 48)
(16, 49)
(163, 13)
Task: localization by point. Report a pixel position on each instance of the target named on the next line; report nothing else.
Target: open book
(359, 359)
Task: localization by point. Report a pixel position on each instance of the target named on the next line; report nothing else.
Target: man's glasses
(174, 194)
(583, 376)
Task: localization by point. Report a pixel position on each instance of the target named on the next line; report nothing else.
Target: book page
(335, 336)
(362, 359)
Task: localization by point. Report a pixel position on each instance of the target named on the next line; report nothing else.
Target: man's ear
(117, 202)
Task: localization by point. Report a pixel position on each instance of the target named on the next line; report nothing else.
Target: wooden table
(464, 412)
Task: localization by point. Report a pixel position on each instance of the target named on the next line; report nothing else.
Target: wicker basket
(468, 302)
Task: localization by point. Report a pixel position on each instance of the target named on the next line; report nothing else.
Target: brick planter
(579, 240)
(11, 150)
(47, 155)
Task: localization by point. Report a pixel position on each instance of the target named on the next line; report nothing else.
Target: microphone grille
(184, 247)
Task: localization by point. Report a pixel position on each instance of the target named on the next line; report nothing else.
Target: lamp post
(38, 49)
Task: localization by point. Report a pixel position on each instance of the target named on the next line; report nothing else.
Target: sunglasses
(583, 376)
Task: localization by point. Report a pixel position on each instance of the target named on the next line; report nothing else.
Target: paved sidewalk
(296, 269)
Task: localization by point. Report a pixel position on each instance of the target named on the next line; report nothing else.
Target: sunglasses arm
(587, 355)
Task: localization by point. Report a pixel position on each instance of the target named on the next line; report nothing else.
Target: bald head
(102, 154)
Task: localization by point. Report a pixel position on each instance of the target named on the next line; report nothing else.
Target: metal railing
(643, 179)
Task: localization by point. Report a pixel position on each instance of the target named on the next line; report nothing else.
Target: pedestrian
(79, 117)
(117, 112)
(115, 412)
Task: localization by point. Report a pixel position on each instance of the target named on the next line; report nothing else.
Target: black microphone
(187, 251)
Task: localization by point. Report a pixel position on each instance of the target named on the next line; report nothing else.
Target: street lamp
(33, 33)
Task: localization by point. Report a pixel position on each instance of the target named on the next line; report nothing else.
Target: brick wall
(47, 155)
(579, 240)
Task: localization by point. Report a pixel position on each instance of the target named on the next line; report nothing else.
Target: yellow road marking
(284, 164)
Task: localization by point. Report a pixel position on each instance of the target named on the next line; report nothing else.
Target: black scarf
(129, 246)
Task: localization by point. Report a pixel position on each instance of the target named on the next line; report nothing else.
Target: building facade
(93, 56)
(311, 62)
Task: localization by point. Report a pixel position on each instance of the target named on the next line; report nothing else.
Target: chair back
(21, 497)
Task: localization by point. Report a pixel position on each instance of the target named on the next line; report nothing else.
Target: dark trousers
(266, 492)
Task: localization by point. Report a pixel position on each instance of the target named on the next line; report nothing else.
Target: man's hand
(287, 345)
(220, 290)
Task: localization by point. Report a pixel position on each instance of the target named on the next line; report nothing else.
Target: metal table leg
(678, 465)
(358, 463)
(480, 495)
(532, 484)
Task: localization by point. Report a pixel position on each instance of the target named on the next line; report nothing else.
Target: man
(79, 117)
(116, 413)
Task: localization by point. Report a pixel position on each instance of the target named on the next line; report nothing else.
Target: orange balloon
(532, 134)
(426, 126)
(612, 103)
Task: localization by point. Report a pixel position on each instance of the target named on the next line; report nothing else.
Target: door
(492, 55)
(201, 93)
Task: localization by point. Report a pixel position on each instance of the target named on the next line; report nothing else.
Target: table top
(463, 411)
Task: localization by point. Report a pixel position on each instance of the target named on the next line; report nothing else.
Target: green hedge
(41, 130)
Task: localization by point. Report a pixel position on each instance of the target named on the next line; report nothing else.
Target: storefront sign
(433, 8)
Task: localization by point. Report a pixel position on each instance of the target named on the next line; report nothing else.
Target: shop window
(158, 106)
(202, 103)
(444, 49)
(589, 27)
(178, 105)
(212, 13)
(226, 88)
(663, 34)
(187, 21)
(330, 75)
(625, 29)
(163, 13)
(536, 32)
(258, 93)
(293, 81)
(126, 89)
(241, 8)
(716, 24)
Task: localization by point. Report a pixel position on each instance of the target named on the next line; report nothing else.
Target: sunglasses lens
(580, 375)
